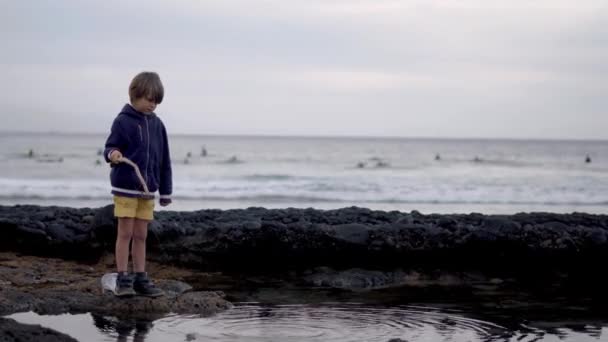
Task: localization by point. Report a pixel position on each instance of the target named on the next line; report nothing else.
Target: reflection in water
(123, 328)
(335, 322)
(353, 322)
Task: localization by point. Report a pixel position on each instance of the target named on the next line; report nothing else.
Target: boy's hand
(165, 202)
(115, 156)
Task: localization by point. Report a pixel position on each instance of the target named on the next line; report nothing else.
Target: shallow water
(331, 322)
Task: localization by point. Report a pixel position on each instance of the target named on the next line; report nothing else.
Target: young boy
(140, 136)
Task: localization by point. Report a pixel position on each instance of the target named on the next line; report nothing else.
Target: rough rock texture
(11, 331)
(286, 239)
(362, 280)
(54, 286)
(345, 249)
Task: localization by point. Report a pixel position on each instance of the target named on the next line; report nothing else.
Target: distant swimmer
(49, 159)
(203, 152)
(30, 153)
(382, 164)
(437, 157)
(233, 159)
(477, 159)
(98, 162)
(360, 165)
(588, 159)
(99, 152)
(189, 155)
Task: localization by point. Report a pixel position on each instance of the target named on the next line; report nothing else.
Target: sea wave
(293, 189)
(298, 199)
(268, 177)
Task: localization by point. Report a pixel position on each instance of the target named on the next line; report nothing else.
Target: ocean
(405, 174)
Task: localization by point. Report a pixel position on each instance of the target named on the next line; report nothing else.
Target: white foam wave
(294, 190)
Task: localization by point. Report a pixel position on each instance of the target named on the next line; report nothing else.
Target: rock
(252, 224)
(54, 302)
(11, 330)
(202, 303)
(45, 215)
(356, 279)
(104, 217)
(285, 239)
(597, 237)
(51, 287)
(34, 233)
(88, 219)
(59, 232)
(354, 233)
(174, 288)
(447, 222)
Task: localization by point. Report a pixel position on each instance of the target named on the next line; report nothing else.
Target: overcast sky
(462, 68)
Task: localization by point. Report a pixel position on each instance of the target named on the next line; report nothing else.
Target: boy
(140, 136)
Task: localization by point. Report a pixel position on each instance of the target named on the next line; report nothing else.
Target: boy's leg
(124, 209)
(142, 284)
(124, 282)
(140, 232)
(123, 239)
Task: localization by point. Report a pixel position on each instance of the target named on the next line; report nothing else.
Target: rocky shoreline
(51, 258)
(51, 286)
(277, 240)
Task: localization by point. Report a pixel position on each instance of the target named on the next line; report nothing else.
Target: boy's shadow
(123, 327)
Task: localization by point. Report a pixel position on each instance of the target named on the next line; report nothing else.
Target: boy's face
(144, 105)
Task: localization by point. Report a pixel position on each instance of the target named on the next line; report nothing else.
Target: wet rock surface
(364, 280)
(54, 286)
(11, 331)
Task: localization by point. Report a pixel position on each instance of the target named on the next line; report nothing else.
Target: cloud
(416, 65)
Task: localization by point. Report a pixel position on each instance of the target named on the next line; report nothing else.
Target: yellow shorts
(134, 207)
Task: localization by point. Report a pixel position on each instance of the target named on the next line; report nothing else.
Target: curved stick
(138, 172)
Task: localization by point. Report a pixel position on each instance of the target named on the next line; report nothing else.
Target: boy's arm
(166, 181)
(115, 141)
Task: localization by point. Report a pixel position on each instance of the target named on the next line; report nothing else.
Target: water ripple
(330, 323)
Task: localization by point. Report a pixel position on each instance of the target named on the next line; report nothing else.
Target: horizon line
(321, 136)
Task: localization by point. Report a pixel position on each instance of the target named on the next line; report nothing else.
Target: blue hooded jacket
(142, 138)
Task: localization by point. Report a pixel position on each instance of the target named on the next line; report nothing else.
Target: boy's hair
(146, 84)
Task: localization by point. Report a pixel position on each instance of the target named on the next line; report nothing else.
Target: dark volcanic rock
(50, 286)
(356, 279)
(283, 239)
(54, 302)
(11, 331)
